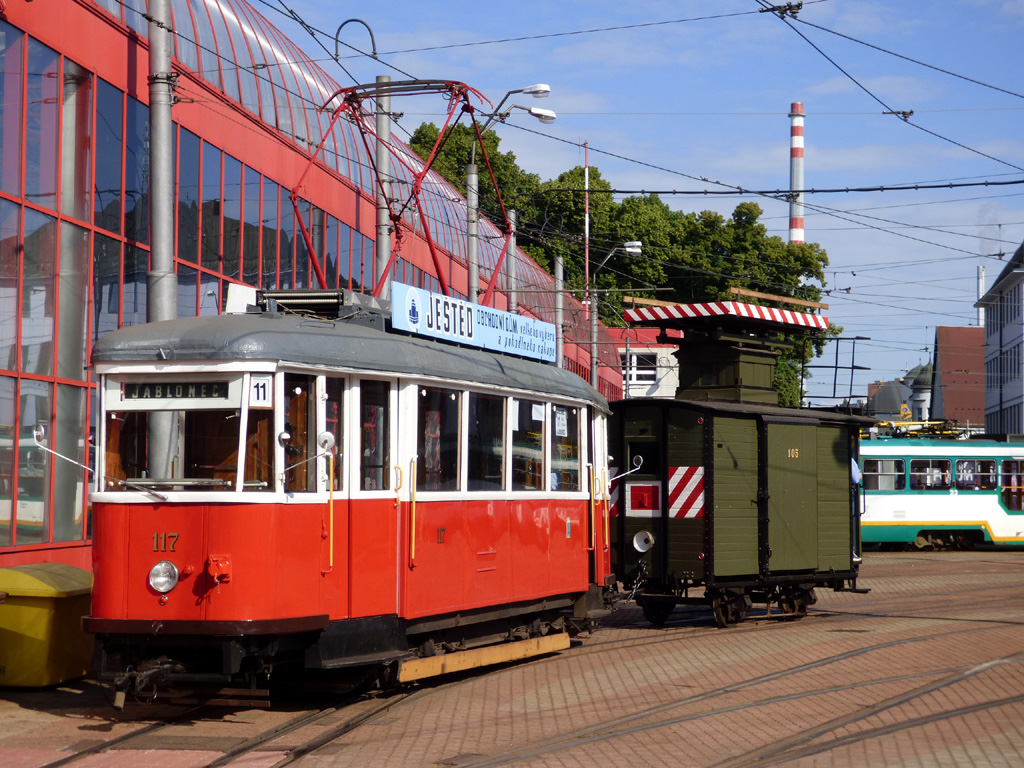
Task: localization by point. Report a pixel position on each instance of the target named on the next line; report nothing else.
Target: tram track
(633, 722)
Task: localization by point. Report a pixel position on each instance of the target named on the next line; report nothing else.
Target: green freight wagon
(732, 503)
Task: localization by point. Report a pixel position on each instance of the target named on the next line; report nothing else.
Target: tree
(687, 257)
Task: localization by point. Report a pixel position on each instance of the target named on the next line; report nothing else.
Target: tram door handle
(399, 481)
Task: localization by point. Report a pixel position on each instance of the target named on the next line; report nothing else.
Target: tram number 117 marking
(164, 542)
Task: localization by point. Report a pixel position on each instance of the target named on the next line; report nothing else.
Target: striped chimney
(796, 172)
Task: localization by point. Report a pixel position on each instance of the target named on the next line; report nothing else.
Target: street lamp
(633, 248)
(538, 91)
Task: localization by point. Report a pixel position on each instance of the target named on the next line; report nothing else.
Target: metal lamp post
(633, 248)
(538, 91)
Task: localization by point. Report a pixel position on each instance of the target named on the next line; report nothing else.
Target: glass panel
(188, 197)
(336, 425)
(136, 178)
(250, 99)
(109, 129)
(884, 475)
(232, 215)
(438, 442)
(42, 80)
(72, 332)
(11, 77)
(345, 257)
(287, 254)
(33, 525)
(136, 265)
(68, 438)
(134, 16)
(209, 303)
(300, 424)
(374, 431)
(106, 285)
(187, 303)
(7, 437)
(251, 229)
(259, 451)
(975, 474)
(211, 447)
(270, 239)
(527, 446)
(565, 448)
(486, 443)
(112, 6)
(313, 218)
(76, 141)
(1011, 482)
(207, 46)
(185, 35)
(331, 252)
(260, 69)
(209, 249)
(38, 299)
(9, 269)
(125, 450)
(227, 56)
(930, 475)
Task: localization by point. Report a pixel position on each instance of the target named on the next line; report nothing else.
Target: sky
(666, 94)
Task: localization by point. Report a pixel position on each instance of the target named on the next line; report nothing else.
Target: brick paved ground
(926, 670)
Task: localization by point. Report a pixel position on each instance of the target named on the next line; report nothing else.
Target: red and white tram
(337, 495)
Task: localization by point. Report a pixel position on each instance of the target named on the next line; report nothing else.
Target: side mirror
(39, 433)
(284, 438)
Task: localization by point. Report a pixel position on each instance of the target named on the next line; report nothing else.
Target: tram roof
(354, 345)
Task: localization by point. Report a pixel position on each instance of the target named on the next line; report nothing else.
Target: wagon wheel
(724, 610)
(792, 606)
(657, 611)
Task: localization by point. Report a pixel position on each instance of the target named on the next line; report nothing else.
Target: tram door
(373, 524)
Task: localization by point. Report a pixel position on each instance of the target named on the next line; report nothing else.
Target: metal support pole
(593, 338)
(513, 296)
(472, 238)
(162, 283)
(559, 325)
(384, 189)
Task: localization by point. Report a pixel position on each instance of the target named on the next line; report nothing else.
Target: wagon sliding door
(790, 455)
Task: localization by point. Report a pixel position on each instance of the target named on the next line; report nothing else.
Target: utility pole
(384, 187)
(162, 283)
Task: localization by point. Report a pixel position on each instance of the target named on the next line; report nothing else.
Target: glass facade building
(75, 230)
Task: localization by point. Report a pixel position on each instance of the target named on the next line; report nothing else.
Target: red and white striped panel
(686, 492)
(643, 499)
(720, 308)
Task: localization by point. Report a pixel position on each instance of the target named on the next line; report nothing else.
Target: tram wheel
(657, 611)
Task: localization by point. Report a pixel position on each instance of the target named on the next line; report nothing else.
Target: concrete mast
(796, 172)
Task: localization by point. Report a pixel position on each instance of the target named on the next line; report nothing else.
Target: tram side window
(300, 424)
(930, 475)
(486, 469)
(565, 449)
(1011, 483)
(438, 442)
(975, 474)
(527, 446)
(336, 424)
(374, 432)
(884, 474)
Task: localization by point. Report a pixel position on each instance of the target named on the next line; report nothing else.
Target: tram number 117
(164, 542)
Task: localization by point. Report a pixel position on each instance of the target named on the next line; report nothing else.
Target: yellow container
(41, 637)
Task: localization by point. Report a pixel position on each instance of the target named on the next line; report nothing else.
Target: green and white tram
(942, 492)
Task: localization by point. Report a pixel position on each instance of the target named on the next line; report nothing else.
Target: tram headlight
(163, 577)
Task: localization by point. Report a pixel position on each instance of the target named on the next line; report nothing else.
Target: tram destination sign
(442, 317)
(175, 390)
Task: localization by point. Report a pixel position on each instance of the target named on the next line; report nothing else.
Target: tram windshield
(185, 436)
